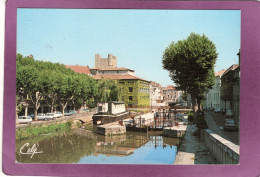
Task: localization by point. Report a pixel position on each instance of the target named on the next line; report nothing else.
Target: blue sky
(137, 37)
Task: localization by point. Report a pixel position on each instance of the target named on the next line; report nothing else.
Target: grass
(88, 127)
(32, 131)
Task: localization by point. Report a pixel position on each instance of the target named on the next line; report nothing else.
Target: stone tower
(110, 62)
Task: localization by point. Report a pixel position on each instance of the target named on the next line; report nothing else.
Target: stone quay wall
(223, 150)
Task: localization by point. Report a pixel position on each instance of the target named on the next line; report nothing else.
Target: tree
(191, 66)
(108, 90)
(51, 95)
(31, 82)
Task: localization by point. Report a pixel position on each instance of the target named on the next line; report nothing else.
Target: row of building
(137, 92)
(225, 94)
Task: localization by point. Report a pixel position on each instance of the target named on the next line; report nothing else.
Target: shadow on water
(83, 146)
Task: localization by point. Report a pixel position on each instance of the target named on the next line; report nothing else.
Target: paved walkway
(193, 150)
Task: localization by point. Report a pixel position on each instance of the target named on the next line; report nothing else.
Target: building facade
(135, 90)
(109, 62)
(172, 95)
(213, 96)
(156, 95)
(227, 83)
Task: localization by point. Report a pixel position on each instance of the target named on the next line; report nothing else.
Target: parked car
(229, 124)
(50, 116)
(83, 110)
(42, 116)
(229, 113)
(31, 115)
(70, 112)
(24, 119)
(217, 110)
(58, 114)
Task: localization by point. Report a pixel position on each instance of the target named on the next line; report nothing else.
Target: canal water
(83, 147)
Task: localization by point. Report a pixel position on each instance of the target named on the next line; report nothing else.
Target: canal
(84, 147)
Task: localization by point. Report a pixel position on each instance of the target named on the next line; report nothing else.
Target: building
(135, 90)
(111, 71)
(79, 69)
(111, 107)
(172, 95)
(213, 95)
(236, 94)
(110, 62)
(227, 83)
(156, 95)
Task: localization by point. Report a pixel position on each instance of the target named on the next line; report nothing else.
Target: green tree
(108, 90)
(51, 92)
(68, 89)
(191, 65)
(31, 82)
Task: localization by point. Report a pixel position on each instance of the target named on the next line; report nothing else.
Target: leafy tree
(31, 82)
(108, 90)
(51, 95)
(52, 82)
(68, 89)
(191, 65)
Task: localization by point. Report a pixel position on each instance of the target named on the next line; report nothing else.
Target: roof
(117, 77)
(79, 69)
(112, 69)
(170, 87)
(232, 67)
(220, 72)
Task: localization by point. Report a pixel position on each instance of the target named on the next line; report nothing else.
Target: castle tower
(110, 62)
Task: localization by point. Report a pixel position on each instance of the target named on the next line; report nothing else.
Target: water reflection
(80, 146)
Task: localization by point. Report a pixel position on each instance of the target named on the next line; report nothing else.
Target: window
(130, 89)
(130, 98)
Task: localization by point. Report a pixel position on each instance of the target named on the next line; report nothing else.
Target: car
(58, 114)
(70, 112)
(50, 116)
(229, 113)
(82, 110)
(42, 116)
(67, 113)
(217, 110)
(24, 119)
(229, 124)
(31, 115)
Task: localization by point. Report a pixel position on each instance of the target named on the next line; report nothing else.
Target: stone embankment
(225, 151)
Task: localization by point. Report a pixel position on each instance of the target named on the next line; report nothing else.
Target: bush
(91, 103)
(190, 116)
(201, 122)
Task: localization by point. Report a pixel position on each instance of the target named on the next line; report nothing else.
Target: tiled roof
(170, 87)
(112, 69)
(220, 72)
(79, 69)
(116, 76)
(232, 67)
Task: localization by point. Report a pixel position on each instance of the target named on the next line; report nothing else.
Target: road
(86, 117)
(215, 123)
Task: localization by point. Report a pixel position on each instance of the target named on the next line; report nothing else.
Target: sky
(137, 37)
